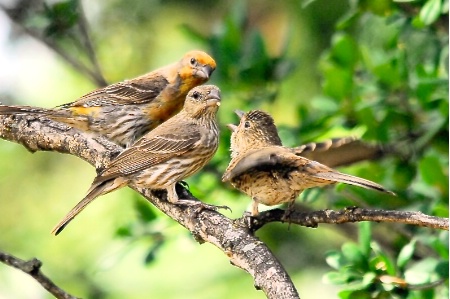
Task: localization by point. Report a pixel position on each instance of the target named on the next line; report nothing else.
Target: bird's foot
(287, 215)
(200, 205)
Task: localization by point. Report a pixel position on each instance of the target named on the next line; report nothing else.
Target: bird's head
(256, 129)
(202, 101)
(196, 68)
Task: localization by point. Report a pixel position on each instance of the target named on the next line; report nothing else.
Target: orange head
(256, 129)
(195, 68)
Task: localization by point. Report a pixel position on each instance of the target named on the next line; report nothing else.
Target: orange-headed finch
(125, 111)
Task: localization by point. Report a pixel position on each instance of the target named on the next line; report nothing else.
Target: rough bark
(242, 248)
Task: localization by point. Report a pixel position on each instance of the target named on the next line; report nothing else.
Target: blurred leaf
(430, 12)
(334, 259)
(431, 171)
(145, 211)
(344, 50)
(422, 272)
(368, 279)
(353, 254)
(351, 294)
(382, 262)
(335, 278)
(124, 231)
(62, 15)
(379, 7)
(365, 237)
(406, 254)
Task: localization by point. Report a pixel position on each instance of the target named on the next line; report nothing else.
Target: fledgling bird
(171, 152)
(125, 111)
(270, 173)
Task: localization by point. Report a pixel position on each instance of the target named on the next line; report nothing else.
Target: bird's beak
(239, 113)
(205, 71)
(213, 98)
(232, 127)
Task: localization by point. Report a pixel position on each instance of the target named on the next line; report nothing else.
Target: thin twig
(83, 24)
(78, 65)
(352, 214)
(33, 268)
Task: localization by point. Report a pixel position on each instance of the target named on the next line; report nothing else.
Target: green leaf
(406, 253)
(355, 294)
(431, 170)
(442, 269)
(62, 16)
(430, 12)
(335, 259)
(338, 81)
(344, 50)
(365, 237)
(335, 278)
(422, 272)
(382, 263)
(124, 231)
(369, 278)
(353, 254)
(145, 211)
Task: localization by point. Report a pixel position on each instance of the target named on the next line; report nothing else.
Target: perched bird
(125, 111)
(270, 173)
(171, 152)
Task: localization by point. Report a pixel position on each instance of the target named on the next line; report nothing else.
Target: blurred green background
(376, 69)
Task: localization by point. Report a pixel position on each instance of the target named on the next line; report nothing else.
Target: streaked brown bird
(272, 174)
(125, 111)
(171, 152)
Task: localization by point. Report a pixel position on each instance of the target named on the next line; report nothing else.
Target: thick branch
(352, 214)
(33, 268)
(242, 248)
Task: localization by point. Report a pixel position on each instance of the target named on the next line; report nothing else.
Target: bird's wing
(307, 148)
(340, 151)
(265, 158)
(139, 91)
(151, 150)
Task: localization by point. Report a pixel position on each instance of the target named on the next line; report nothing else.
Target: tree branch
(33, 268)
(94, 75)
(242, 248)
(351, 214)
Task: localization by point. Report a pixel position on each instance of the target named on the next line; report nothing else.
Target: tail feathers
(95, 191)
(351, 180)
(5, 110)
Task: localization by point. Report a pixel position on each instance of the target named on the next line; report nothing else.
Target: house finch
(171, 152)
(270, 173)
(125, 111)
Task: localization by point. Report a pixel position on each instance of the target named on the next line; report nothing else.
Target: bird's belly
(266, 188)
(165, 174)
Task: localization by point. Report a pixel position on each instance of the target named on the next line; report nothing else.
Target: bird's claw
(200, 205)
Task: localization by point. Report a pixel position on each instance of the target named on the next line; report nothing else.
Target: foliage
(380, 73)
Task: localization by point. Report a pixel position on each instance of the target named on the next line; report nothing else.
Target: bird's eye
(247, 124)
(196, 95)
(193, 61)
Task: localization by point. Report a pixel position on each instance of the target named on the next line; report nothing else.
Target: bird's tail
(351, 180)
(6, 110)
(60, 115)
(99, 187)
